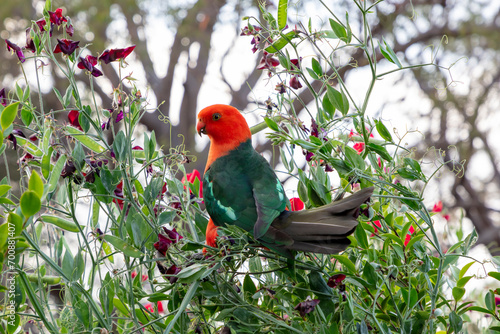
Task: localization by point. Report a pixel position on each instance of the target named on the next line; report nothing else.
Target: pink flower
(408, 236)
(438, 207)
(151, 308)
(359, 147)
(134, 273)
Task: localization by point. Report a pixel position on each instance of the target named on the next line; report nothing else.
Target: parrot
(241, 188)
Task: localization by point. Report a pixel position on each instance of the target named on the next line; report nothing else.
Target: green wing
(242, 189)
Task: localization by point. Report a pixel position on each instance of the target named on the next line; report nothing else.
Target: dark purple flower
(13, 139)
(119, 117)
(336, 280)
(309, 156)
(15, 48)
(307, 306)
(281, 88)
(68, 169)
(173, 270)
(294, 82)
(73, 119)
(315, 130)
(105, 125)
(252, 31)
(268, 62)
(328, 168)
(66, 46)
(164, 241)
(88, 64)
(3, 97)
(30, 44)
(56, 17)
(114, 54)
(70, 30)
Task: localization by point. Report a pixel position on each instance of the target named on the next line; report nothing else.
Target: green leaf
(462, 281)
(8, 115)
(166, 217)
(458, 293)
(382, 130)
(489, 301)
(26, 116)
(494, 274)
(338, 30)
(248, 285)
(317, 67)
(282, 14)
(380, 150)
(361, 236)
(281, 42)
(370, 275)
(353, 158)
(36, 184)
(120, 146)
(408, 174)
(312, 73)
(78, 265)
(56, 173)
(67, 96)
(84, 139)
(16, 221)
(4, 188)
(338, 100)
(344, 260)
(29, 146)
(271, 124)
(123, 246)
(464, 269)
(389, 53)
(455, 322)
(67, 225)
(138, 229)
(30, 203)
(78, 156)
(328, 106)
(84, 120)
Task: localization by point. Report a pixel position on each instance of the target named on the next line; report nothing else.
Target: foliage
(136, 262)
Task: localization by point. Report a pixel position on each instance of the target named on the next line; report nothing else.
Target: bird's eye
(216, 116)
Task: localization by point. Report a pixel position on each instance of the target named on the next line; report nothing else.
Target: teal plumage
(240, 188)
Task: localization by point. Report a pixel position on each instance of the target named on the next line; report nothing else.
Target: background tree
(193, 57)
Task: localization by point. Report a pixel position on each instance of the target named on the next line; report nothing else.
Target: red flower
(438, 207)
(335, 280)
(66, 46)
(17, 49)
(56, 17)
(73, 116)
(307, 306)
(359, 147)
(294, 82)
(408, 236)
(191, 177)
(144, 278)
(164, 241)
(134, 273)
(88, 64)
(114, 54)
(376, 224)
(296, 204)
(447, 217)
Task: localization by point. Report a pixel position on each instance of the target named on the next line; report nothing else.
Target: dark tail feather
(324, 229)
